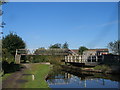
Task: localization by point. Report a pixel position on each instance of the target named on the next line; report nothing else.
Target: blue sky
(41, 24)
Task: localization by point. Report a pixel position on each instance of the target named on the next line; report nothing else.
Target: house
(97, 52)
(94, 54)
(75, 50)
(89, 57)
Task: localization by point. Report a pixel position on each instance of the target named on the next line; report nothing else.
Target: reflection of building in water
(68, 75)
(59, 80)
(118, 85)
(69, 78)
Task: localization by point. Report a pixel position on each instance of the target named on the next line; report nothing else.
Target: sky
(41, 24)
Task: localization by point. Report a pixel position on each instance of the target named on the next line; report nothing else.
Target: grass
(6, 75)
(39, 71)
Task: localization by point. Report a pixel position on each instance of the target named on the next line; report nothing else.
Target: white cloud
(110, 23)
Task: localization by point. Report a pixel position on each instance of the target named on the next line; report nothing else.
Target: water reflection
(61, 79)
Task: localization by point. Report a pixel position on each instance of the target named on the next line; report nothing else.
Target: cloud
(109, 23)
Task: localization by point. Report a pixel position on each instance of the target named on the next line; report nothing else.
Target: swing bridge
(20, 52)
(69, 56)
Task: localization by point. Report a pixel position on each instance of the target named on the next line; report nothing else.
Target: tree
(65, 45)
(11, 42)
(41, 50)
(82, 49)
(55, 46)
(6, 56)
(115, 47)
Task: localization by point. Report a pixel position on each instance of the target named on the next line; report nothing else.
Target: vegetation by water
(103, 68)
(39, 71)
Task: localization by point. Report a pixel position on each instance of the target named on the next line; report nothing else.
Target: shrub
(10, 67)
(55, 59)
(37, 59)
(103, 68)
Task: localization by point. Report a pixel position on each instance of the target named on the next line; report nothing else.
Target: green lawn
(6, 75)
(39, 71)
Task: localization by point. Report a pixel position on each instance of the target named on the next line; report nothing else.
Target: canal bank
(97, 69)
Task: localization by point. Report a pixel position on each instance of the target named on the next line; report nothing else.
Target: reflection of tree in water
(119, 85)
(58, 77)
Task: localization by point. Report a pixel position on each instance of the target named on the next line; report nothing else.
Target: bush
(51, 59)
(55, 59)
(10, 67)
(37, 59)
(103, 68)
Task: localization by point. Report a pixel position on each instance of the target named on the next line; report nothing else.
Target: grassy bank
(39, 71)
(6, 75)
(97, 69)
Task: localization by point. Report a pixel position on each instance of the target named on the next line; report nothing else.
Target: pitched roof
(75, 50)
(104, 49)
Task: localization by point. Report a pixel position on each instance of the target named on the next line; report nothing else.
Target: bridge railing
(80, 59)
(42, 52)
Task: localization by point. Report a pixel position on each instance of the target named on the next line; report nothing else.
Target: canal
(60, 78)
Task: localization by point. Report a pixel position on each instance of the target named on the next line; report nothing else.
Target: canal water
(59, 78)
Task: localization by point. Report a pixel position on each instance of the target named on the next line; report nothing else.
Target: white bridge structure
(81, 59)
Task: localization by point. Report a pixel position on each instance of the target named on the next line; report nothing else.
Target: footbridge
(47, 52)
(69, 56)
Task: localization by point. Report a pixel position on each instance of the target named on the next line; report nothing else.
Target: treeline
(58, 45)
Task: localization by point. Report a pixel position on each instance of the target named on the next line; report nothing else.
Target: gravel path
(14, 80)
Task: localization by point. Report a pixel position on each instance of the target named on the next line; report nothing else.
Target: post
(17, 59)
(33, 77)
(75, 59)
(80, 59)
(91, 58)
(96, 58)
(71, 58)
(68, 59)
